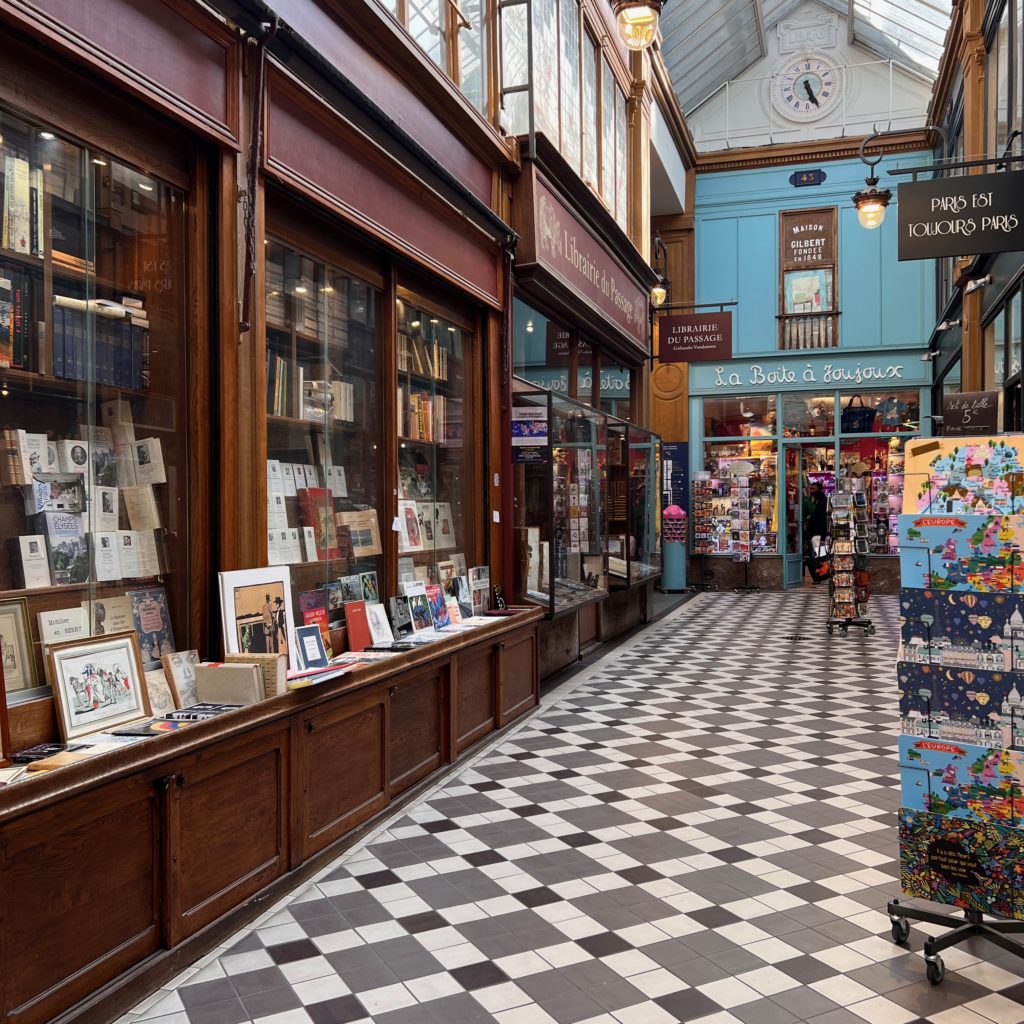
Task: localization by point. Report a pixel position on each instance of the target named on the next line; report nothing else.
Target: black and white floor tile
(698, 828)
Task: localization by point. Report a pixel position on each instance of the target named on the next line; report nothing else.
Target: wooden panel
(475, 696)
(344, 767)
(518, 675)
(589, 632)
(310, 147)
(229, 827)
(417, 731)
(187, 64)
(79, 900)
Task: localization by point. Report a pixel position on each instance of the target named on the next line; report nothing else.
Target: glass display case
(634, 504)
(558, 454)
(94, 388)
(323, 427)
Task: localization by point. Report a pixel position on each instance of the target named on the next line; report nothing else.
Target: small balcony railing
(801, 332)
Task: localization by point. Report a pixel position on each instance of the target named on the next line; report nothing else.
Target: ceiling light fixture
(47, 136)
(638, 21)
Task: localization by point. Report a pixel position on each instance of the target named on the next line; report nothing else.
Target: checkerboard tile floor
(698, 828)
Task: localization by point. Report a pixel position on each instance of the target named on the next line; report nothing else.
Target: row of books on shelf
(325, 531)
(286, 479)
(326, 399)
(17, 326)
(23, 226)
(426, 358)
(120, 341)
(48, 469)
(421, 416)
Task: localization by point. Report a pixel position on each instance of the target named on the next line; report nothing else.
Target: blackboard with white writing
(972, 412)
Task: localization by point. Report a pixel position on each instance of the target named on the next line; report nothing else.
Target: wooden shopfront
(350, 257)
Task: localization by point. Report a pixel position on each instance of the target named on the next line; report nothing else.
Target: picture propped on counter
(962, 630)
(256, 610)
(968, 864)
(954, 476)
(962, 780)
(976, 553)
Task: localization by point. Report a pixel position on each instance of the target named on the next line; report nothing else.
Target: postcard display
(960, 681)
(850, 582)
(93, 474)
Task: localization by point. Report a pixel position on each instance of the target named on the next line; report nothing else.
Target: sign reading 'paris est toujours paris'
(962, 216)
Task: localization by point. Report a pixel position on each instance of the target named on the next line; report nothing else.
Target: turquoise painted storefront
(798, 399)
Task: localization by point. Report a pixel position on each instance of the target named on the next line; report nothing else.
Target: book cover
(149, 462)
(104, 511)
(316, 509)
(357, 625)
(401, 616)
(380, 628)
(73, 456)
(33, 567)
(409, 536)
(140, 504)
(365, 531)
(55, 492)
(368, 583)
(219, 683)
(351, 588)
(452, 605)
(274, 668)
(180, 669)
(105, 562)
(152, 623)
(67, 546)
(313, 607)
(17, 205)
(107, 615)
(310, 643)
(419, 608)
(438, 607)
(60, 624)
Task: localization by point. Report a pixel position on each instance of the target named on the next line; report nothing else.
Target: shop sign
(961, 216)
(972, 412)
(807, 238)
(694, 337)
(559, 347)
(614, 383)
(795, 374)
(569, 251)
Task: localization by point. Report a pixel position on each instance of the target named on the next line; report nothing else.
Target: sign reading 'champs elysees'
(962, 216)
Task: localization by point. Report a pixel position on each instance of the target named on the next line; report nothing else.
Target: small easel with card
(849, 586)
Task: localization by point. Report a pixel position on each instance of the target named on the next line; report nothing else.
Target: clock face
(806, 87)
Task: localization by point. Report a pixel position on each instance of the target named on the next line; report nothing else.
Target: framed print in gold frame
(16, 654)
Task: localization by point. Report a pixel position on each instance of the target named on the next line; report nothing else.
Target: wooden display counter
(119, 871)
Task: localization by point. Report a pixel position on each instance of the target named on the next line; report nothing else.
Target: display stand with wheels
(849, 588)
(707, 508)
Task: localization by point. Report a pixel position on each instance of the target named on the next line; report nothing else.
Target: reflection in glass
(753, 416)
(808, 415)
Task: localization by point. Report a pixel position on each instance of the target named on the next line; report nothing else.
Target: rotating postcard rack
(960, 679)
(850, 583)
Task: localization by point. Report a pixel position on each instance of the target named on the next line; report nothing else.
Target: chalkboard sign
(972, 412)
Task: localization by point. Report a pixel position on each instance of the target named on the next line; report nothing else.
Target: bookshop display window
(713, 520)
(740, 417)
(634, 504)
(435, 498)
(94, 481)
(559, 451)
(323, 435)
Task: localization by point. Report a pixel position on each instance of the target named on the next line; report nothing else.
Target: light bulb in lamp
(659, 293)
(638, 21)
(871, 203)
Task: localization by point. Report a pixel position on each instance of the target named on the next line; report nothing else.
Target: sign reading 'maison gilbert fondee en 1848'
(961, 216)
(695, 337)
(571, 252)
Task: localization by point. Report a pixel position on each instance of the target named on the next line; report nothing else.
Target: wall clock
(806, 86)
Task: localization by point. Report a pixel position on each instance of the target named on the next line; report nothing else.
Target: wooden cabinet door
(228, 826)
(518, 682)
(417, 733)
(79, 897)
(343, 767)
(475, 695)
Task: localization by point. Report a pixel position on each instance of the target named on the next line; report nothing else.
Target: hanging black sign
(961, 216)
(972, 412)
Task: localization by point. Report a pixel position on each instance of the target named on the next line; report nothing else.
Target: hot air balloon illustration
(968, 677)
(984, 621)
(970, 600)
(983, 699)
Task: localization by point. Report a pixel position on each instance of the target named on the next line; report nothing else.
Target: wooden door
(474, 700)
(517, 675)
(417, 733)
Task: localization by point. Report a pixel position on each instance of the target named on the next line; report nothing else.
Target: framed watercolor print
(16, 654)
(256, 608)
(98, 684)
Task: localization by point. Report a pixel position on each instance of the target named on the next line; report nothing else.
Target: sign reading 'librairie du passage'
(972, 412)
(695, 337)
(961, 216)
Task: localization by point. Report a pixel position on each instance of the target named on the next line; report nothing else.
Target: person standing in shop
(815, 516)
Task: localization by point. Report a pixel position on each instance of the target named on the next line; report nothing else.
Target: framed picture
(16, 647)
(5, 734)
(256, 609)
(98, 684)
(180, 669)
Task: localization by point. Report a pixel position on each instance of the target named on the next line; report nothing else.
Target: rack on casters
(707, 577)
(748, 587)
(962, 928)
(849, 586)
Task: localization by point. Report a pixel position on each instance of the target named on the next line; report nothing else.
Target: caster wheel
(900, 930)
(936, 969)
(830, 630)
(871, 630)
(844, 631)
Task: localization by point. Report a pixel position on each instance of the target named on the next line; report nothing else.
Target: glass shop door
(804, 463)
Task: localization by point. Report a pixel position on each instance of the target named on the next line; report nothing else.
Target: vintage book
(60, 624)
(149, 551)
(452, 605)
(55, 492)
(128, 556)
(419, 608)
(277, 511)
(180, 671)
(409, 536)
(288, 479)
(152, 623)
(105, 510)
(313, 606)
(444, 526)
(336, 482)
(290, 546)
(116, 415)
(125, 458)
(200, 711)
(73, 456)
(309, 543)
(32, 453)
(149, 462)
(368, 583)
(351, 588)
(273, 668)
(299, 473)
(275, 481)
(316, 509)
(106, 615)
(413, 588)
(312, 480)
(29, 562)
(140, 504)
(6, 323)
(401, 617)
(377, 620)
(357, 625)
(406, 569)
(273, 547)
(161, 697)
(438, 607)
(220, 683)
(66, 545)
(459, 588)
(365, 531)
(106, 565)
(17, 231)
(310, 642)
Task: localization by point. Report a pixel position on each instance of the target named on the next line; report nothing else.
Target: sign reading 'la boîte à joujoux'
(962, 216)
(695, 337)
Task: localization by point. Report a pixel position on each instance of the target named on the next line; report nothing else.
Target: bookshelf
(93, 287)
